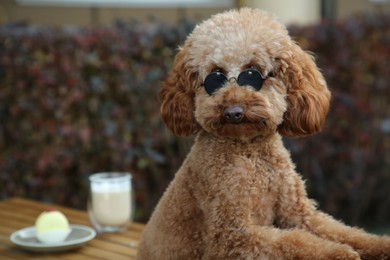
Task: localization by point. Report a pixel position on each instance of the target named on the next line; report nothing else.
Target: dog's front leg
(231, 236)
(369, 246)
(233, 233)
(296, 210)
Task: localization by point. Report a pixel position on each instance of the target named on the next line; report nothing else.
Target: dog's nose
(233, 114)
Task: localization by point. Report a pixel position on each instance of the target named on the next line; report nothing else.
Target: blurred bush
(74, 101)
(348, 164)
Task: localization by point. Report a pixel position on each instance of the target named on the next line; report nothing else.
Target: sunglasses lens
(214, 81)
(250, 77)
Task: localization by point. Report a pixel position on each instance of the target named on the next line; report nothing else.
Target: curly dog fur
(237, 194)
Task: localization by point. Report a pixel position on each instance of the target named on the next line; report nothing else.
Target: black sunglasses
(216, 80)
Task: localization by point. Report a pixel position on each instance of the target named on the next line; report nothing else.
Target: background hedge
(74, 101)
(348, 164)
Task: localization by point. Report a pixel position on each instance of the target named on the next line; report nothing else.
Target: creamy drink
(111, 208)
(110, 201)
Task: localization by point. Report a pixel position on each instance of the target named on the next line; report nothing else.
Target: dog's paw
(377, 248)
(342, 252)
(329, 251)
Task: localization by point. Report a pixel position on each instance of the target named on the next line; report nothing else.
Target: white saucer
(26, 239)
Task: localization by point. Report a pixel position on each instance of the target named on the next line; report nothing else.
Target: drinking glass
(110, 201)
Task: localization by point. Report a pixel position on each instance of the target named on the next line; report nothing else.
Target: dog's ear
(308, 96)
(177, 97)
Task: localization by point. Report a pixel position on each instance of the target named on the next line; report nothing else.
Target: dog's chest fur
(226, 170)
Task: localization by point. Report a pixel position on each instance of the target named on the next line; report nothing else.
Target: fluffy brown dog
(239, 82)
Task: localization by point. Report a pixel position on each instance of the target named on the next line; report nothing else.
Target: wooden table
(17, 213)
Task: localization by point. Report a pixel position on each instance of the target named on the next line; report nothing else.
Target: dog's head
(240, 75)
